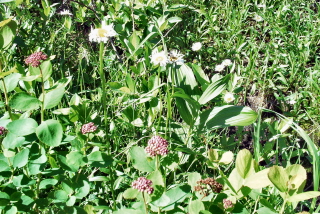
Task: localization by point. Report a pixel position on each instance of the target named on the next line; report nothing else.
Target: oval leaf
(50, 132)
(22, 127)
(278, 177)
(244, 163)
(24, 102)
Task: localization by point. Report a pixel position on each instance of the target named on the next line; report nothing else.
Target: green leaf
(201, 76)
(225, 116)
(193, 178)
(304, 196)
(22, 127)
(4, 199)
(7, 33)
(244, 163)
(11, 210)
(46, 183)
(195, 207)
(46, 68)
(52, 98)
(213, 90)
(50, 132)
(140, 160)
(99, 159)
(59, 196)
(4, 74)
(278, 177)
(10, 81)
(130, 193)
(21, 159)
(24, 102)
(258, 180)
(75, 159)
(12, 141)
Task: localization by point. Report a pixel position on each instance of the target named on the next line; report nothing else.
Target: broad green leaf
(195, 207)
(184, 79)
(213, 90)
(75, 159)
(81, 186)
(130, 193)
(225, 116)
(52, 98)
(244, 163)
(22, 127)
(10, 81)
(157, 183)
(134, 40)
(201, 76)
(12, 141)
(7, 33)
(140, 161)
(12, 70)
(127, 211)
(4, 166)
(24, 102)
(50, 132)
(304, 196)
(11, 210)
(226, 158)
(59, 196)
(4, 22)
(176, 195)
(99, 159)
(278, 177)
(265, 210)
(193, 178)
(46, 183)
(4, 199)
(21, 159)
(258, 180)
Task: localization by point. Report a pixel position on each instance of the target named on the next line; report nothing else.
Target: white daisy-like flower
(159, 57)
(226, 62)
(291, 102)
(102, 34)
(257, 18)
(196, 46)
(175, 57)
(219, 68)
(228, 97)
(65, 13)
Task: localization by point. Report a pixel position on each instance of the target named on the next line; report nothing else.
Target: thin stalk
(43, 96)
(145, 203)
(257, 138)
(283, 206)
(6, 95)
(103, 85)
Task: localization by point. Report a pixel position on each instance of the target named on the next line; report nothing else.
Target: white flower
(65, 13)
(228, 97)
(219, 68)
(261, 6)
(291, 102)
(159, 58)
(175, 57)
(102, 34)
(226, 62)
(196, 46)
(257, 18)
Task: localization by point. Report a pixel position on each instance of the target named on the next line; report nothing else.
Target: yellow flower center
(102, 32)
(159, 59)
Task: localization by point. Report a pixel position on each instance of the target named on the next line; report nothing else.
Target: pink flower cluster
(2, 130)
(87, 128)
(157, 146)
(143, 185)
(35, 58)
(227, 204)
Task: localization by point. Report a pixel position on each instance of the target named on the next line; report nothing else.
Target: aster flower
(159, 58)
(219, 68)
(228, 97)
(196, 46)
(142, 185)
(87, 128)
(102, 34)
(157, 146)
(226, 62)
(175, 57)
(65, 13)
(2, 130)
(257, 18)
(35, 58)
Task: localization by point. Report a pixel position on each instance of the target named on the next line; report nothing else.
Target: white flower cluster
(102, 34)
(161, 58)
(225, 63)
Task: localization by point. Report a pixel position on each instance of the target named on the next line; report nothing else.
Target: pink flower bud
(143, 185)
(157, 146)
(35, 58)
(87, 128)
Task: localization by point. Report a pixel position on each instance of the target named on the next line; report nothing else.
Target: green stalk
(103, 85)
(43, 96)
(6, 95)
(257, 137)
(145, 204)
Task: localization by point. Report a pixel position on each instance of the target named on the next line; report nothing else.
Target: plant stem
(257, 137)
(103, 85)
(6, 94)
(43, 95)
(145, 204)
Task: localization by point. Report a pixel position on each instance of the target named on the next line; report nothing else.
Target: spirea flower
(226, 62)
(65, 13)
(219, 68)
(2, 130)
(157, 146)
(159, 58)
(102, 34)
(142, 185)
(175, 57)
(87, 128)
(227, 204)
(35, 59)
(196, 46)
(228, 97)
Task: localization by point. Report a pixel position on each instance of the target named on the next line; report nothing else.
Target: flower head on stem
(35, 59)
